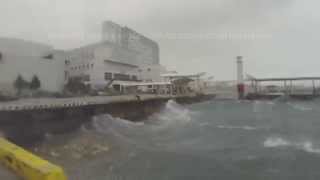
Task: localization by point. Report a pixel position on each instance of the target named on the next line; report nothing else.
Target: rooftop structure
(146, 50)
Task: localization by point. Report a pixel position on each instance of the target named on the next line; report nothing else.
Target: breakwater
(29, 120)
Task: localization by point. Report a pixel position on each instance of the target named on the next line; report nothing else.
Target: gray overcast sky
(195, 35)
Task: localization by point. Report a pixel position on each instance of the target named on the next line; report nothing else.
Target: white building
(96, 65)
(28, 59)
(122, 55)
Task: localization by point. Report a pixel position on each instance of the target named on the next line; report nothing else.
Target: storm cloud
(276, 38)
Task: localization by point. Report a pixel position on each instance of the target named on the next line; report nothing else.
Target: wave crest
(277, 142)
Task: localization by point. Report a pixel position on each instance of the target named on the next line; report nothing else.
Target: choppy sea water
(238, 140)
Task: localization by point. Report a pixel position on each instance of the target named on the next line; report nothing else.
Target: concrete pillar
(285, 88)
(313, 88)
(240, 78)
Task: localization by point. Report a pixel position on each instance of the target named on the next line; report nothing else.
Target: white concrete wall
(98, 79)
(151, 73)
(148, 49)
(81, 62)
(111, 32)
(27, 59)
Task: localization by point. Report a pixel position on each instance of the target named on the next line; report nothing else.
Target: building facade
(25, 58)
(95, 65)
(122, 55)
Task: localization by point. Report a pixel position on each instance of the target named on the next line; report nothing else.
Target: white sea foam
(248, 128)
(309, 147)
(300, 107)
(276, 142)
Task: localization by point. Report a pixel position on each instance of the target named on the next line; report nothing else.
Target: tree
(20, 83)
(35, 83)
(75, 85)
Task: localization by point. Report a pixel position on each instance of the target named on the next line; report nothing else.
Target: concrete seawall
(27, 121)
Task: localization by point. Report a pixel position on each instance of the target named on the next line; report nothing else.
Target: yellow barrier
(27, 165)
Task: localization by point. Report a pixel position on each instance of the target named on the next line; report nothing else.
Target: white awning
(142, 83)
(176, 75)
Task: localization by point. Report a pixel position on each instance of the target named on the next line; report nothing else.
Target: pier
(286, 88)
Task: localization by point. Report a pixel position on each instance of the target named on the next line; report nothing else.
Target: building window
(1, 57)
(122, 77)
(91, 65)
(88, 66)
(149, 69)
(134, 78)
(86, 78)
(66, 62)
(107, 76)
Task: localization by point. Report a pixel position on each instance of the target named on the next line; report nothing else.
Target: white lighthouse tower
(240, 78)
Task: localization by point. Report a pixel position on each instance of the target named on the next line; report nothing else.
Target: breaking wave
(277, 142)
(172, 113)
(165, 128)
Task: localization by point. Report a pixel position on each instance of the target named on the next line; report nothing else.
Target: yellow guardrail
(27, 165)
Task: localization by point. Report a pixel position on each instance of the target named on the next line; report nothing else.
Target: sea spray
(164, 128)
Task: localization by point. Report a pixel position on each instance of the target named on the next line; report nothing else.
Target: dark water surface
(269, 140)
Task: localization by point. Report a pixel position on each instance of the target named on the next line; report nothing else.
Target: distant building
(122, 55)
(97, 66)
(28, 59)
